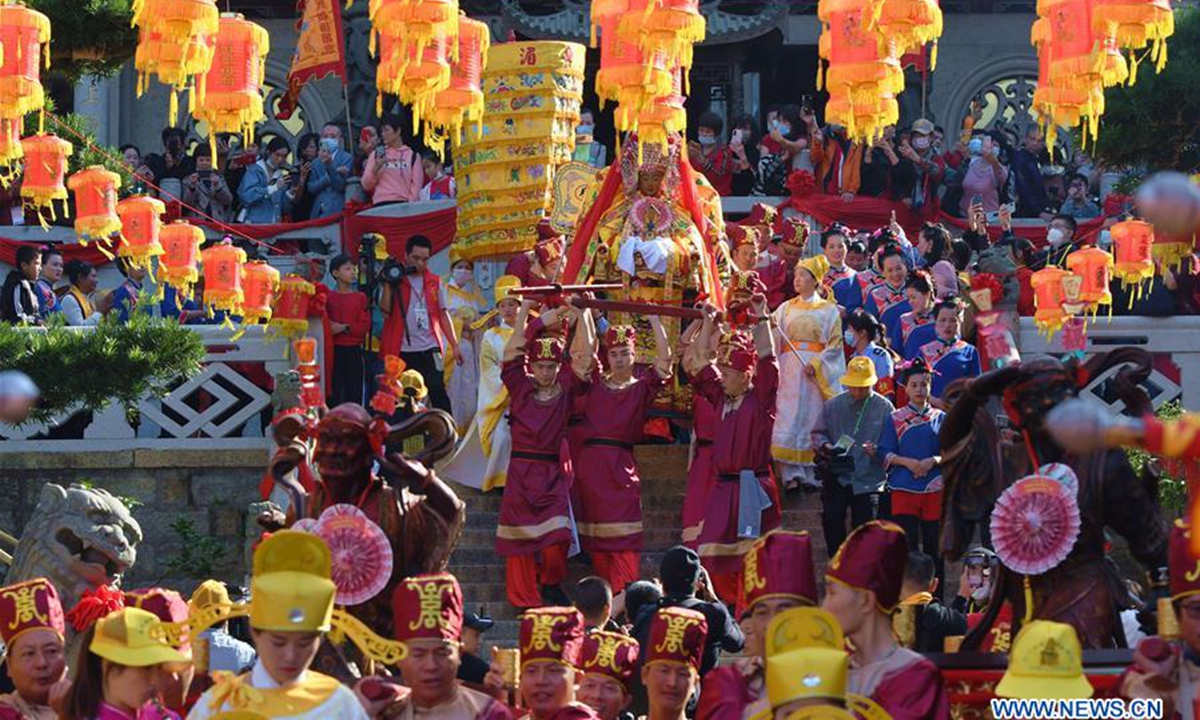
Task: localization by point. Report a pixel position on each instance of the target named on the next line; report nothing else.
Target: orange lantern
(462, 100)
(10, 146)
(231, 98)
(1056, 105)
(664, 116)
(290, 316)
(668, 28)
(910, 24)
(95, 203)
(414, 22)
(862, 69)
(175, 42)
(45, 167)
(1170, 251)
(1133, 248)
(1079, 57)
(181, 252)
(141, 226)
(1049, 295)
(223, 278)
(260, 282)
(1135, 23)
(603, 9)
(1094, 267)
(414, 75)
(628, 76)
(24, 36)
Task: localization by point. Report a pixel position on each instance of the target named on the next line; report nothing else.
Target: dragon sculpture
(78, 538)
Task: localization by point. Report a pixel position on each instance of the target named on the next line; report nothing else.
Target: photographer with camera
(172, 163)
(416, 325)
(849, 465)
(206, 189)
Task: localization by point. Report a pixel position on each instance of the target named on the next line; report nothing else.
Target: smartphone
(736, 137)
(976, 200)
(380, 151)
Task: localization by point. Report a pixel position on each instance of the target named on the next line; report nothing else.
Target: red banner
(320, 50)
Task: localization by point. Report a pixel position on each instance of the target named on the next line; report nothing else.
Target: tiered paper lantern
(223, 278)
(1135, 23)
(95, 203)
(24, 37)
(231, 97)
(1170, 251)
(910, 24)
(177, 266)
(260, 283)
(462, 100)
(415, 22)
(141, 228)
(175, 42)
(863, 75)
(664, 28)
(665, 115)
(290, 316)
(413, 73)
(45, 170)
(629, 76)
(10, 147)
(1133, 248)
(1062, 106)
(1049, 295)
(1094, 267)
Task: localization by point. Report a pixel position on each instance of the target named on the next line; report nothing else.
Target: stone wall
(213, 490)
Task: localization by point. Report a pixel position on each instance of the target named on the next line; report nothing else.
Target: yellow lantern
(24, 37)
(175, 42)
(1135, 23)
(415, 76)
(669, 28)
(863, 73)
(628, 76)
(415, 22)
(462, 100)
(181, 252)
(231, 98)
(911, 24)
(141, 227)
(95, 203)
(45, 168)
(664, 116)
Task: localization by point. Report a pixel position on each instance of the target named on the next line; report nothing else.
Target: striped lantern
(231, 92)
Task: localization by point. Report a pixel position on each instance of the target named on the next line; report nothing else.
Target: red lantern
(1068, 106)
(290, 316)
(260, 282)
(223, 278)
(1049, 295)
(862, 72)
(462, 100)
(45, 167)
(667, 28)
(181, 252)
(664, 116)
(95, 203)
(1133, 247)
(10, 146)
(231, 98)
(24, 33)
(1094, 267)
(141, 226)
(628, 76)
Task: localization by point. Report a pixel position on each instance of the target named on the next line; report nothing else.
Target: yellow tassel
(592, 42)
(820, 78)
(1133, 68)
(933, 53)
(173, 108)
(212, 146)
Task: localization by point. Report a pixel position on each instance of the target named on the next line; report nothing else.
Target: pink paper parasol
(1062, 473)
(1035, 524)
(362, 557)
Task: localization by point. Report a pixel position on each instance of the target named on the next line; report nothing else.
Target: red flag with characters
(320, 51)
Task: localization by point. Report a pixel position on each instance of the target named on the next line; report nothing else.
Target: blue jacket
(260, 205)
(913, 434)
(328, 186)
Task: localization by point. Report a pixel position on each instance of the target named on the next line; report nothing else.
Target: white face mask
(850, 337)
(463, 276)
(1055, 237)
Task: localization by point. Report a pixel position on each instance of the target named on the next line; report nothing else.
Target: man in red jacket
(416, 325)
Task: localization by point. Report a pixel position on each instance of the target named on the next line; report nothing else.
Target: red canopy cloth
(438, 226)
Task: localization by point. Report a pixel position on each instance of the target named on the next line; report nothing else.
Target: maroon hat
(428, 607)
(167, 605)
(738, 235)
(761, 214)
(550, 243)
(612, 655)
(553, 634)
(737, 350)
(780, 565)
(31, 605)
(677, 635)
(872, 558)
(618, 335)
(546, 348)
(795, 232)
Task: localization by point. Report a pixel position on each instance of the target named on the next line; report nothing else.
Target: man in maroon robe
(539, 266)
(862, 590)
(551, 642)
(741, 383)
(778, 574)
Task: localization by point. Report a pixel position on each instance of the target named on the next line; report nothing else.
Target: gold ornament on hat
(541, 636)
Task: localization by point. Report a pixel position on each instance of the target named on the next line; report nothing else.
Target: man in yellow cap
(225, 652)
(850, 469)
(806, 665)
(291, 608)
(1046, 662)
(32, 628)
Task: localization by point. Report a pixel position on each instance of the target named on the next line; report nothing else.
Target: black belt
(609, 443)
(537, 456)
(700, 442)
(733, 477)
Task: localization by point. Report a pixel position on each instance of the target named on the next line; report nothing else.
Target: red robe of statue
(741, 441)
(608, 492)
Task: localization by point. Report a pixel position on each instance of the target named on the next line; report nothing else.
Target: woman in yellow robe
(811, 365)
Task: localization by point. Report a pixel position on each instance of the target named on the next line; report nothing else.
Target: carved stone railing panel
(226, 406)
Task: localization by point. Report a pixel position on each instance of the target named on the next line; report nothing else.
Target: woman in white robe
(464, 303)
(811, 365)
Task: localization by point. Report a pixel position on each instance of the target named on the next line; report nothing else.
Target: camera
(393, 272)
(834, 462)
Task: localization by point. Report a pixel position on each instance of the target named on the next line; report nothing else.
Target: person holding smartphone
(265, 191)
(206, 190)
(984, 177)
(393, 172)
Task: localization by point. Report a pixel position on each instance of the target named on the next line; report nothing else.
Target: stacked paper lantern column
(532, 93)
